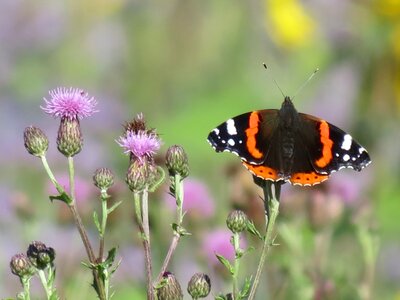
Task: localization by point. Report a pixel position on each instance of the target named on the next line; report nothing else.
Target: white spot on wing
(361, 150)
(346, 157)
(231, 142)
(216, 130)
(230, 127)
(347, 141)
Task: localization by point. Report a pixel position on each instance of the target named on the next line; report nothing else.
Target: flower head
(40, 255)
(35, 141)
(140, 144)
(72, 103)
(21, 266)
(170, 288)
(199, 286)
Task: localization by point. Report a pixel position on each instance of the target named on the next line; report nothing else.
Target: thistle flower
(176, 161)
(21, 266)
(140, 144)
(199, 286)
(40, 255)
(72, 103)
(170, 288)
(35, 141)
(103, 178)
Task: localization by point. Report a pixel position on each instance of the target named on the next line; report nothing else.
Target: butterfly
(283, 145)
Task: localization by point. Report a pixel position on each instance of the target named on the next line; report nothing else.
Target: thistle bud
(40, 255)
(140, 175)
(35, 141)
(103, 178)
(237, 221)
(170, 288)
(21, 266)
(199, 286)
(177, 161)
(69, 138)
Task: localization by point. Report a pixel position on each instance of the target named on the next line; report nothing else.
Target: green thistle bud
(35, 141)
(170, 288)
(237, 221)
(40, 255)
(199, 286)
(103, 178)
(69, 138)
(140, 175)
(177, 161)
(21, 266)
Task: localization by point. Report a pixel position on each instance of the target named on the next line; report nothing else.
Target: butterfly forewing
(248, 135)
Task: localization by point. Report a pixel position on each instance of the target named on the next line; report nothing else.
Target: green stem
(236, 264)
(142, 215)
(104, 215)
(25, 281)
(99, 287)
(44, 282)
(46, 166)
(272, 203)
(178, 190)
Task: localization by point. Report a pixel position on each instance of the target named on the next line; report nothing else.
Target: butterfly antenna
(305, 83)
(266, 68)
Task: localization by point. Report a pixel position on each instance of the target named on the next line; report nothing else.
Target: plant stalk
(272, 211)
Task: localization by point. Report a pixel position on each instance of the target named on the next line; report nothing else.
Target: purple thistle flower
(140, 144)
(72, 103)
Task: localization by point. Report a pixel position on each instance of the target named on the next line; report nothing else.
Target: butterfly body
(284, 145)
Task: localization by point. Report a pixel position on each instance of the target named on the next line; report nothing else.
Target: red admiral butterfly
(284, 145)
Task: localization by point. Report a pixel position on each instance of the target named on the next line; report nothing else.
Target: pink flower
(140, 144)
(218, 242)
(197, 199)
(70, 103)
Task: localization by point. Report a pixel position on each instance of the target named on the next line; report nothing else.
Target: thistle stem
(99, 287)
(272, 207)
(236, 264)
(44, 282)
(142, 215)
(178, 191)
(25, 281)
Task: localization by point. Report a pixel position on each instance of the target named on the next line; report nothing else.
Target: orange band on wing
(307, 178)
(262, 171)
(251, 133)
(327, 143)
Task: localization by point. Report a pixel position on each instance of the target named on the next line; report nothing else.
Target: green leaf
(226, 263)
(113, 207)
(64, 197)
(180, 230)
(246, 288)
(251, 228)
(159, 179)
(97, 222)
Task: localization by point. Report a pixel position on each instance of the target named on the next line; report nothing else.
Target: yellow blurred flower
(288, 23)
(387, 8)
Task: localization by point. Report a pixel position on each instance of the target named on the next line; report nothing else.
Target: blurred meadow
(188, 66)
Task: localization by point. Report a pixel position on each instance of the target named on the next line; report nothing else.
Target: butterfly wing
(330, 148)
(249, 135)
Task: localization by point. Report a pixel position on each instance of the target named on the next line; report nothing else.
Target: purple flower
(218, 242)
(72, 103)
(140, 144)
(197, 199)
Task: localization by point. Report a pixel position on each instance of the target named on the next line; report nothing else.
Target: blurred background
(188, 66)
